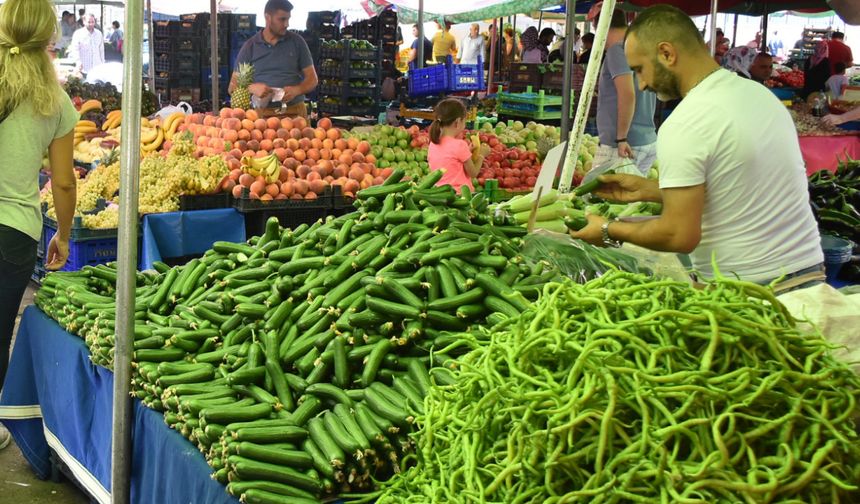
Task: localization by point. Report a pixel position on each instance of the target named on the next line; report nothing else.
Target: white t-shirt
(733, 135)
(87, 48)
(471, 49)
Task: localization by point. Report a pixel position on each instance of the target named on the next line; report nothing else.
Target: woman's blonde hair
(27, 27)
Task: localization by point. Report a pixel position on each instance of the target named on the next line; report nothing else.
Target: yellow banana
(85, 129)
(89, 106)
(113, 121)
(113, 113)
(155, 144)
(85, 124)
(148, 135)
(172, 123)
(145, 122)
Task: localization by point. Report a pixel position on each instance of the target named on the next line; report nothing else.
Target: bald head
(665, 24)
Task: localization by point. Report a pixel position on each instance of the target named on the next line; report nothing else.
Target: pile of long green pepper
(631, 389)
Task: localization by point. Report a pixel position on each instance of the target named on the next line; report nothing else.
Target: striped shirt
(88, 49)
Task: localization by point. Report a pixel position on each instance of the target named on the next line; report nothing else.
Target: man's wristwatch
(620, 140)
(607, 240)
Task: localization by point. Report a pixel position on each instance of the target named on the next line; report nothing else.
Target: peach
(313, 175)
(325, 153)
(356, 174)
(324, 123)
(363, 147)
(253, 145)
(353, 143)
(256, 135)
(251, 114)
(316, 143)
(209, 120)
(287, 189)
(317, 186)
(246, 179)
(273, 123)
(270, 134)
(273, 189)
(319, 133)
(266, 197)
(299, 155)
(295, 133)
(281, 153)
(260, 124)
(266, 145)
(249, 153)
(279, 143)
(310, 195)
(333, 134)
(237, 191)
(238, 114)
(303, 171)
(247, 124)
(283, 133)
(300, 186)
(300, 122)
(231, 135)
(287, 123)
(341, 144)
(313, 154)
(292, 143)
(305, 144)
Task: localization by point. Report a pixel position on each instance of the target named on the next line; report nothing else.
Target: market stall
(380, 336)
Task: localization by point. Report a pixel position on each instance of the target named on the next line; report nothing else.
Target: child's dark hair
(839, 68)
(447, 112)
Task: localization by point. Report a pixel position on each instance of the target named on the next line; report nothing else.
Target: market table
(179, 234)
(55, 398)
(824, 152)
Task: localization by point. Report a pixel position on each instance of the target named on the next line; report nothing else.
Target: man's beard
(666, 85)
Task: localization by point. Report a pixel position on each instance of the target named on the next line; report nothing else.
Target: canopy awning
(458, 11)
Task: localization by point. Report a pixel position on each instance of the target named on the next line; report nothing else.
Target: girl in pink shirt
(447, 152)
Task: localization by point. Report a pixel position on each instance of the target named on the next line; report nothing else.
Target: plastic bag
(836, 315)
(576, 259)
(179, 107)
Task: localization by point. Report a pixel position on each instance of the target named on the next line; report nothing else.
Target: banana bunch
(269, 167)
(151, 138)
(113, 120)
(84, 128)
(89, 106)
(171, 124)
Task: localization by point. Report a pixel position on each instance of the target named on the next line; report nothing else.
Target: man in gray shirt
(281, 60)
(625, 114)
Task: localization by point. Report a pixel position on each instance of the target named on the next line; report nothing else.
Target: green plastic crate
(531, 105)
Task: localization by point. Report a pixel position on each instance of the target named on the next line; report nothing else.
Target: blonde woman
(35, 115)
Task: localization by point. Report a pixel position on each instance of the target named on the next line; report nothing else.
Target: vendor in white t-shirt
(732, 180)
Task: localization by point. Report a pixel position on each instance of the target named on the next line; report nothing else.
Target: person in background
(113, 51)
(489, 36)
(719, 35)
(817, 70)
(472, 46)
(739, 59)
(460, 159)
(67, 31)
(35, 115)
(82, 13)
(727, 139)
(281, 59)
(587, 44)
(761, 67)
(510, 51)
(837, 82)
(625, 113)
(838, 52)
(413, 53)
(558, 44)
(774, 46)
(837, 119)
(722, 49)
(545, 40)
(756, 42)
(444, 43)
(87, 47)
(531, 46)
(577, 41)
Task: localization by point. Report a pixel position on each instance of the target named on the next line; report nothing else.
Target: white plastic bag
(834, 313)
(179, 107)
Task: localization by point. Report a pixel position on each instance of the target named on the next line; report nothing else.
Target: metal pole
(713, 27)
(763, 45)
(421, 56)
(216, 75)
(540, 20)
(567, 83)
(151, 29)
(735, 33)
(493, 44)
(591, 71)
(127, 255)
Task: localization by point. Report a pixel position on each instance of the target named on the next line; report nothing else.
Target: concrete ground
(18, 483)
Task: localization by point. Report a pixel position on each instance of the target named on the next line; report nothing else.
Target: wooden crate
(524, 75)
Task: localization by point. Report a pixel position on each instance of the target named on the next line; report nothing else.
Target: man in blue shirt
(413, 55)
(281, 59)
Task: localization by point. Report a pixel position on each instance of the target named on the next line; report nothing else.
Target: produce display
(809, 125)
(297, 362)
(784, 77)
(401, 148)
(108, 95)
(631, 389)
(560, 212)
(835, 200)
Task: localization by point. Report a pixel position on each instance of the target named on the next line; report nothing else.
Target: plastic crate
(191, 95)
(465, 77)
(99, 247)
(164, 30)
(530, 104)
(163, 45)
(345, 109)
(187, 44)
(340, 204)
(524, 75)
(189, 202)
(430, 80)
(206, 75)
(243, 22)
(342, 69)
(185, 80)
(324, 17)
(290, 213)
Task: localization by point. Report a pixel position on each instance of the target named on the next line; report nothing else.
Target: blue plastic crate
(784, 93)
(430, 80)
(465, 77)
(84, 252)
(851, 126)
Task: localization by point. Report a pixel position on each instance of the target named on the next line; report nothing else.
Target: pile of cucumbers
(297, 361)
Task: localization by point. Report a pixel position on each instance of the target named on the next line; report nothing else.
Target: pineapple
(241, 97)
